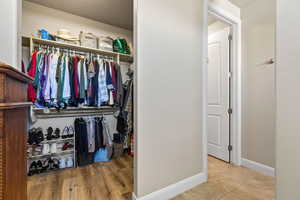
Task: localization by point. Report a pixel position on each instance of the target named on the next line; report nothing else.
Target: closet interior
(81, 118)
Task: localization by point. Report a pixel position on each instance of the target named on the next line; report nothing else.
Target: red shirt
(75, 78)
(31, 92)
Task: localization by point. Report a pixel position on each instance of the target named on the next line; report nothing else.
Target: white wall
(169, 92)
(288, 98)
(36, 17)
(10, 23)
(258, 127)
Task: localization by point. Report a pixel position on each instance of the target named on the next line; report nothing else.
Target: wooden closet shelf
(27, 41)
(73, 112)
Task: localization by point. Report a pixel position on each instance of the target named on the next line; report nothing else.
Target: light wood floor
(227, 182)
(114, 181)
(109, 181)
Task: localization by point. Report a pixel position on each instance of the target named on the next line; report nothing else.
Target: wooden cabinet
(13, 133)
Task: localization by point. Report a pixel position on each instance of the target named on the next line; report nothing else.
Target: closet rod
(71, 51)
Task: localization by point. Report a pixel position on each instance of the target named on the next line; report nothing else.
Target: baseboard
(175, 189)
(258, 167)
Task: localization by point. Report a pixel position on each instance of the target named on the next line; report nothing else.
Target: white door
(218, 95)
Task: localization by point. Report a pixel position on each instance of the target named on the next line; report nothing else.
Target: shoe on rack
(62, 163)
(39, 167)
(46, 149)
(71, 132)
(46, 165)
(49, 133)
(70, 162)
(39, 135)
(55, 164)
(65, 133)
(53, 148)
(67, 146)
(37, 150)
(31, 135)
(51, 163)
(32, 169)
(56, 134)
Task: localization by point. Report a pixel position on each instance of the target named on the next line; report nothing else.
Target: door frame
(236, 84)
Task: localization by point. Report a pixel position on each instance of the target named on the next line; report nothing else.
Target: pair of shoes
(53, 163)
(66, 163)
(67, 146)
(35, 136)
(49, 148)
(50, 164)
(50, 134)
(36, 167)
(68, 132)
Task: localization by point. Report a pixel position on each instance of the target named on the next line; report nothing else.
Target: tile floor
(227, 182)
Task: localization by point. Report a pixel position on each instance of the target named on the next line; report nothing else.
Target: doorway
(83, 151)
(224, 86)
(219, 83)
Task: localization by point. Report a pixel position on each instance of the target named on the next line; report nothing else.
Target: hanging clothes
(91, 134)
(74, 80)
(31, 92)
(102, 89)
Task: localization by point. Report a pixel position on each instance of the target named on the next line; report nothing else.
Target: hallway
(228, 182)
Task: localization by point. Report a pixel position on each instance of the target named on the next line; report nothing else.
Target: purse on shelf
(120, 45)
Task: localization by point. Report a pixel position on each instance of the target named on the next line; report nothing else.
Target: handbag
(121, 46)
(101, 155)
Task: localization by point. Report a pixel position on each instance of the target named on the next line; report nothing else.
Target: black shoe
(46, 165)
(31, 136)
(55, 165)
(39, 136)
(49, 133)
(32, 169)
(56, 134)
(39, 167)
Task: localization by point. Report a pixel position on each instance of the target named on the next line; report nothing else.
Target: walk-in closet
(80, 141)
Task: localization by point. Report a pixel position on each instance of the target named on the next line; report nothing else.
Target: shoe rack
(46, 155)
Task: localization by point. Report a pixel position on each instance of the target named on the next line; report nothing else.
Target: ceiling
(114, 12)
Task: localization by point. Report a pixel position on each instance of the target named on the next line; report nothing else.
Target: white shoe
(70, 162)
(62, 163)
(53, 148)
(46, 149)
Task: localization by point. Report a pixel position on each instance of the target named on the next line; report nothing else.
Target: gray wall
(169, 92)
(288, 98)
(258, 125)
